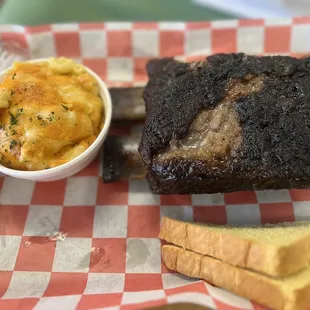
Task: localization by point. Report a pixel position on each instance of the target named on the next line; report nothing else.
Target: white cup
(83, 160)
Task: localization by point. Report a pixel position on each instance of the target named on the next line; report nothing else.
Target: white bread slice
(290, 293)
(275, 250)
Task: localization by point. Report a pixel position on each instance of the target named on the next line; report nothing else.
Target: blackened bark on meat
(275, 122)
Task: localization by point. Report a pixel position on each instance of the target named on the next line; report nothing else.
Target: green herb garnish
(13, 143)
(50, 118)
(65, 107)
(13, 119)
(13, 77)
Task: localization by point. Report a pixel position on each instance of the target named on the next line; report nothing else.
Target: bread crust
(266, 291)
(271, 260)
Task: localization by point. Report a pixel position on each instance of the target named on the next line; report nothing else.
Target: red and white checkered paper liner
(111, 257)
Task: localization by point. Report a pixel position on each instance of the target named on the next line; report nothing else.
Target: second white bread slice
(290, 293)
(275, 250)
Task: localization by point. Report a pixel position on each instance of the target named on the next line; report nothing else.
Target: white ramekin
(80, 162)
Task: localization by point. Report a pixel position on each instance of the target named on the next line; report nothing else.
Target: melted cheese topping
(50, 112)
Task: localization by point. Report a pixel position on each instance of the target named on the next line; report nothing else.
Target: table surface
(34, 12)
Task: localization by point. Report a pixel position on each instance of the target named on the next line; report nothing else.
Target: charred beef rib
(232, 122)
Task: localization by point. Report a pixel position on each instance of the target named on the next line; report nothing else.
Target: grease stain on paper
(137, 253)
(96, 255)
